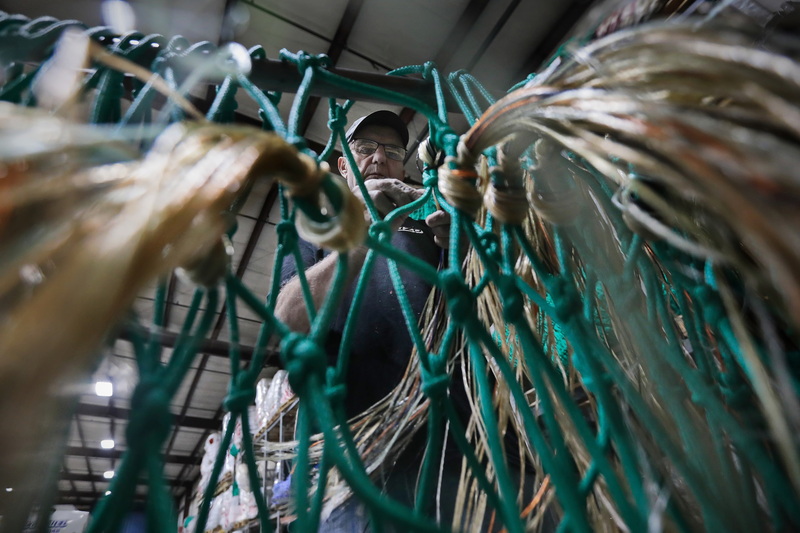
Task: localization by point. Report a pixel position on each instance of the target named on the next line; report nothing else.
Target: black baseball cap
(380, 118)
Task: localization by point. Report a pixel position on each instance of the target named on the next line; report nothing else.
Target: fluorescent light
(108, 474)
(9, 489)
(104, 388)
(108, 492)
(107, 444)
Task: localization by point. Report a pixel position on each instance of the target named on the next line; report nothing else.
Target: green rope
(704, 429)
(242, 393)
(343, 360)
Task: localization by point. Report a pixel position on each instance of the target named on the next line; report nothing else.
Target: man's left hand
(439, 222)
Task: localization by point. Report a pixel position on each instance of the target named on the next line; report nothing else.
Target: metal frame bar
(80, 451)
(122, 413)
(94, 478)
(78, 426)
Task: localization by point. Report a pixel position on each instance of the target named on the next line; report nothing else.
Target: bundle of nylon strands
(691, 134)
(693, 131)
(85, 225)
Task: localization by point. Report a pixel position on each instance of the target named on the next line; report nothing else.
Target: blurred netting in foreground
(627, 304)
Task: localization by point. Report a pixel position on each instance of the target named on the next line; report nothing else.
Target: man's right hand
(388, 194)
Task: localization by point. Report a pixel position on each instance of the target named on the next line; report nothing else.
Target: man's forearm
(291, 308)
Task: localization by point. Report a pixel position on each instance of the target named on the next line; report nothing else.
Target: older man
(381, 344)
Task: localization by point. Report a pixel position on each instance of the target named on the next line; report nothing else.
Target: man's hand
(439, 222)
(387, 194)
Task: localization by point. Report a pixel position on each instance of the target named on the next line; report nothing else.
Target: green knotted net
(600, 297)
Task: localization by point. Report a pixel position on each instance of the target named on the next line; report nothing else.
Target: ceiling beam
(311, 32)
(65, 469)
(337, 46)
(498, 26)
(72, 476)
(258, 228)
(558, 31)
(227, 29)
(466, 22)
(78, 426)
(81, 451)
(487, 42)
(101, 411)
(169, 339)
(209, 346)
(469, 17)
(88, 495)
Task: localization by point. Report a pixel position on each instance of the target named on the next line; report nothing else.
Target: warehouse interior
(499, 42)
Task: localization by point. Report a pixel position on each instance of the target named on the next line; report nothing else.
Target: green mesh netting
(620, 291)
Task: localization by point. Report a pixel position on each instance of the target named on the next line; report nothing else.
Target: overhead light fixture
(108, 474)
(108, 492)
(9, 489)
(107, 444)
(104, 388)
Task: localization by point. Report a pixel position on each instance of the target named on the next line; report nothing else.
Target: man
(381, 344)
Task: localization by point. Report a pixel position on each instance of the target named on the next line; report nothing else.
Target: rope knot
(435, 387)
(512, 300)
(381, 231)
(429, 154)
(150, 411)
(241, 395)
(427, 70)
(342, 232)
(456, 74)
(446, 139)
(337, 118)
(566, 301)
(460, 299)
(430, 178)
(302, 359)
(176, 45)
(287, 234)
(459, 189)
(304, 60)
(507, 204)
(238, 400)
(491, 243)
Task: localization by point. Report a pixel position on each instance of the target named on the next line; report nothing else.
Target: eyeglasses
(367, 147)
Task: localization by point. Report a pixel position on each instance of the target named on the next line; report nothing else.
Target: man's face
(376, 165)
